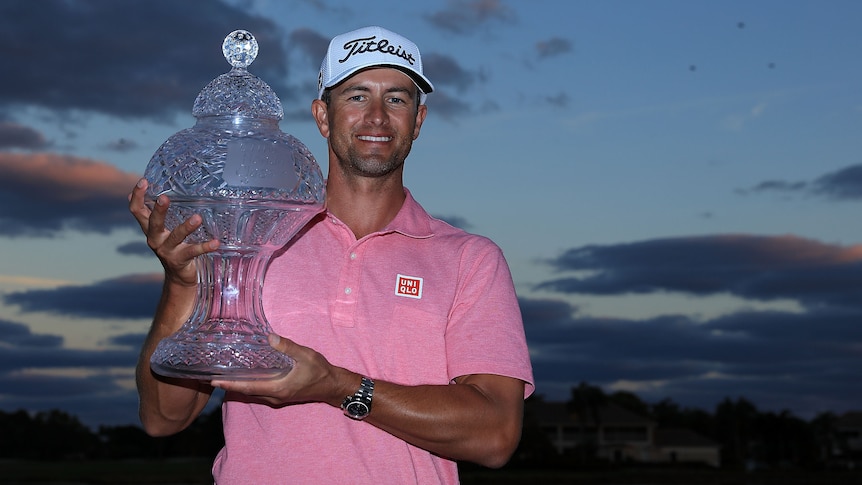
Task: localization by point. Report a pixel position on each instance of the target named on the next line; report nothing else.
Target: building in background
(617, 435)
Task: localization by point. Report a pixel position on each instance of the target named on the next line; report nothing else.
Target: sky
(675, 184)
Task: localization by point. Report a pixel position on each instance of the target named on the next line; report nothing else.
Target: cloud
(560, 100)
(330, 9)
(447, 107)
(755, 267)
(38, 373)
(126, 59)
(47, 386)
(135, 248)
(842, 185)
(97, 399)
(126, 297)
(30, 281)
(775, 185)
(13, 135)
(464, 16)
(22, 350)
(131, 340)
(122, 145)
(736, 122)
(18, 334)
(61, 192)
(552, 47)
(779, 360)
(801, 359)
(312, 45)
(444, 70)
(845, 184)
(456, 221)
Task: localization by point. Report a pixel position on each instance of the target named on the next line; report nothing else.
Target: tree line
(747, 437)
(745, 434)
(56, 435)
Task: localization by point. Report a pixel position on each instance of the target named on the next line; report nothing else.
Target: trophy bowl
(254, 187)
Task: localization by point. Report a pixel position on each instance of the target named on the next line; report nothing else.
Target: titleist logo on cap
(370, 44)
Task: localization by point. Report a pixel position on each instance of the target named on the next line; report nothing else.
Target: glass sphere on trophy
(254, 187)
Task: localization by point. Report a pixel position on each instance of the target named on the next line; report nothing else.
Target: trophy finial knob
(239, 48)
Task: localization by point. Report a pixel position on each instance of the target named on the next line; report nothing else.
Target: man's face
(371, 122)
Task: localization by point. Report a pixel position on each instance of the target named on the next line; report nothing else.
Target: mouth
(374, 138)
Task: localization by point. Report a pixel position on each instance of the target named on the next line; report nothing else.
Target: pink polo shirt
(420, 302)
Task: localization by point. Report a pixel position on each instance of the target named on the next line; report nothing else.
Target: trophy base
(235, 361)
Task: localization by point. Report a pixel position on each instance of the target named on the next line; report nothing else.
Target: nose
(376, 112)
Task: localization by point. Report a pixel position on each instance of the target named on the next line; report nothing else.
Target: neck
(366, 205)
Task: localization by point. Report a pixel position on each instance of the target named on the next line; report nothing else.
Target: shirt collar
(411, 220)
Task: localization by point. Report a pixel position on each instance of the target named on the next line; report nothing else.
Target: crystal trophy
(254, 187)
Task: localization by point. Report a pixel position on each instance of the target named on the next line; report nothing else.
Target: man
(409, 346)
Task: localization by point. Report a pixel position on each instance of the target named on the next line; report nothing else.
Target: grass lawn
(197, 471)
(186, 471)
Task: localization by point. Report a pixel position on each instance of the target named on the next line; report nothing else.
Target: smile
(374, 138)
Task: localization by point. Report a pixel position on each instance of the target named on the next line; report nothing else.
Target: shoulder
(456, 237)
(444, 232)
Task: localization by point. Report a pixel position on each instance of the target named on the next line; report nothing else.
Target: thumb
(278, 343)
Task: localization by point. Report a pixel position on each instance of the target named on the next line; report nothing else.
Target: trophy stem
(231, 281)
(226, 336)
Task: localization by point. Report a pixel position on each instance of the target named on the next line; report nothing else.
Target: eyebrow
(394, 89)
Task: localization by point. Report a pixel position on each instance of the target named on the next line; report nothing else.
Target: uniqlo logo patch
(409, 286)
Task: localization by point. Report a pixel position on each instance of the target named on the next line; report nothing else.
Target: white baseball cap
(369, 47)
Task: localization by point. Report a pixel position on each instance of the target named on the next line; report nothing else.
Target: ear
(321, 117)
(421, 113)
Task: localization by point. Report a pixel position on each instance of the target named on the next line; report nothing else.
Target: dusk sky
(676, 184)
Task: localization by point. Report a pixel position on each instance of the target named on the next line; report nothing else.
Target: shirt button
(347, 290)
(352, 255)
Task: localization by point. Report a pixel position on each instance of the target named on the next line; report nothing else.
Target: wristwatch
(358, 405)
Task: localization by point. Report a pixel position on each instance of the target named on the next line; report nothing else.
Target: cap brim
(424, 85)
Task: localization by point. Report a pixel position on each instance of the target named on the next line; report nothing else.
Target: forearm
(477, 419)
(168, 405)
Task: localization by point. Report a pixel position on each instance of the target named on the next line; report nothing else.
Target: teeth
(375, 138)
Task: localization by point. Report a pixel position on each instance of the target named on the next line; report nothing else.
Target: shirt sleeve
(485, 333)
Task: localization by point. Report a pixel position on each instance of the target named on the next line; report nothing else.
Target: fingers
(137, 206)
(312, 378)
(152, 221)
(278, 390)
(293, 349)
(176, 255)
(173, 238)
(177, 237)
(280, 344)
(156, 223)
(169, 245)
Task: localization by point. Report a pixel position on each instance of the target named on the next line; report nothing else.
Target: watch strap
(362, 398)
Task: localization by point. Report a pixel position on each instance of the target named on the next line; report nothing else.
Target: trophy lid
(238, 92)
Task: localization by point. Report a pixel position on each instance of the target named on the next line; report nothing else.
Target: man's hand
(177, 257)
(312, 379)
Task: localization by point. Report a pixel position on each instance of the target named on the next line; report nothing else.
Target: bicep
(504, 394)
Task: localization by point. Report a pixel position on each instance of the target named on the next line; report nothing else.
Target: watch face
(357, 408)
